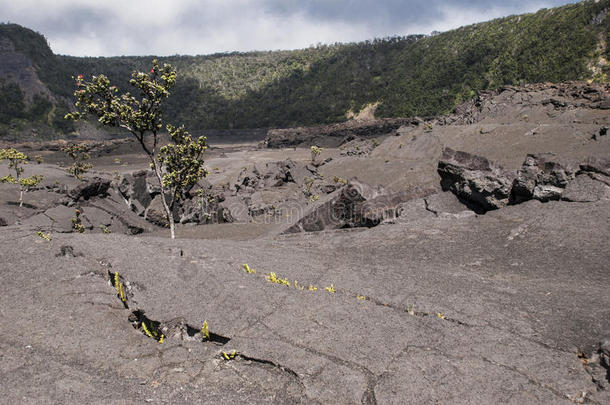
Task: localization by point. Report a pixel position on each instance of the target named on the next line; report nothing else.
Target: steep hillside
(409, 76)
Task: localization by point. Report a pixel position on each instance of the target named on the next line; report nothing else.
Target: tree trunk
(21, 197)
(168, 213)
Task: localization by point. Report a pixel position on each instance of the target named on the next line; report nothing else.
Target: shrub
(178, 166)
(15, 161)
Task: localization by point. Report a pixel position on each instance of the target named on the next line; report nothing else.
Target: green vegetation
(77, 224)
(16, 160)
(408, 76)
(79, 155)
(315, 152)
(179, 165)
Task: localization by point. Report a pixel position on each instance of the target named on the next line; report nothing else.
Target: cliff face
(18, 67)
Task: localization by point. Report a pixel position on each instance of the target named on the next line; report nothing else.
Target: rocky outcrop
(334, 135)
(274, 174)
(484, 186)
(547, 96)
(89, 188)
(592, 182)
(541, 177)
(475, 180)
(355, 205)
(139, 189)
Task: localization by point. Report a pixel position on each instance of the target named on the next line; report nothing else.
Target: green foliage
(409, 76)
(16, 160)
(12, 102)
(178, 165)
(44, 236)
(77, 224)
(205, 331)
(183, 160)
(79, 154)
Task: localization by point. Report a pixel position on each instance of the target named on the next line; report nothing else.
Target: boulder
(139, 189)
(476, 181)
(203, 207)
(541, 177)
(3, 222)
(155, 213)
(274, 174)
(355, 205)
(93, 187)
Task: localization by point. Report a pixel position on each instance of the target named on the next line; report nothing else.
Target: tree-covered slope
(416, 75)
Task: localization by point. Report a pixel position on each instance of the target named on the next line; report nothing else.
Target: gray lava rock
(3, 222)
(155, 213)
(139, 189)
(93, 187)
(233, 209)
(275, 174)
(446, 202)
(596, 165)
(541, 178)
(355, 205)
(56, 219)
(475, 180)
(585, 188)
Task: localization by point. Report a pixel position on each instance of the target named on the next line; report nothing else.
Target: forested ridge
(409, 76)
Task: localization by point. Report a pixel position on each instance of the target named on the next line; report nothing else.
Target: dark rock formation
(475, 180)
(275, 174)
(139, 189)
(355, 205)
(541, 178)
(93, 187)
(334, 135)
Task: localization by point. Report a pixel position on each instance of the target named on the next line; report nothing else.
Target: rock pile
(484, 186)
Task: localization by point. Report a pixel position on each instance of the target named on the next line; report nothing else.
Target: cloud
(119, 27)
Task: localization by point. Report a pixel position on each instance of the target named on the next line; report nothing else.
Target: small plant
(315, 152)
(117, 161)
(312, 288)
(44, 236)
(118, 285)
(229, 355)
(410, 309)
(339, 180)
(15, 160)
(375, 142)
(150, 331)
(440, 316)
(39, 159)
(273, 278)
(79, 154)
(76, 222)
(248, 269)
(360, 297)
(105, 229)
(205, 331)
(330, 289)
(314, 198)
(308, 181)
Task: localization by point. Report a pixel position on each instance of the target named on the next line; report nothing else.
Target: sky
(200, 27)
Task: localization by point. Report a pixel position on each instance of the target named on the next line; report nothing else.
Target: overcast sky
(192, 27)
